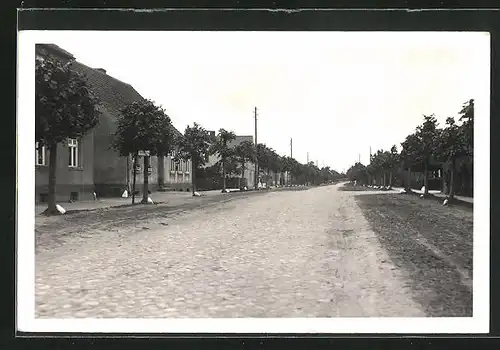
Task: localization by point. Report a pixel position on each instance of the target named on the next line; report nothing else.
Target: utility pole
(307, 157)
(256, 175)
(359, 158)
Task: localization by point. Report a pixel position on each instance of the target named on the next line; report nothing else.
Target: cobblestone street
(279, 254)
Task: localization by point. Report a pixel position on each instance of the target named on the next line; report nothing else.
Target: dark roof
(54, 49)
(239, 139)
(112, 93)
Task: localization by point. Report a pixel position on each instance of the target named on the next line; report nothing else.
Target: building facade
(89, 164)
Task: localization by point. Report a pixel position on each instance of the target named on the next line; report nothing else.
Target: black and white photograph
(253, 181)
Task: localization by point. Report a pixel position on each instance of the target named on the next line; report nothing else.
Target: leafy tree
(194, 145)
(467, 128)
(452, 144)
(393, 162)
(143, 126)
(65, 108)
(378, 167)
(278, 167)
(357, 173)
(263, 159)
(244, 152)
(411, 155)
(274, 164)
(296, 170)
(224, 151)
(427, 135)
(287, 163)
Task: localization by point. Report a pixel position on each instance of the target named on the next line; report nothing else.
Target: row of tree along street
(449, 149)
(66, 108)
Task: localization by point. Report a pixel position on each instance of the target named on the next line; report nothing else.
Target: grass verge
(431, 243)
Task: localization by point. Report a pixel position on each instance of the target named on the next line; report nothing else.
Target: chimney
(101, 70)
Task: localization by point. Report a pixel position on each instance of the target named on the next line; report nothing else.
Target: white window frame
(73, 144)
(37, 153)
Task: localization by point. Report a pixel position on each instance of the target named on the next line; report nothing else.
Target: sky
(336, 94)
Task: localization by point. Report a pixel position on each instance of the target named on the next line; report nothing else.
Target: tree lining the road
(194, 145)
(143, 127)
(428, 148)
(221, 147)
(65, 109)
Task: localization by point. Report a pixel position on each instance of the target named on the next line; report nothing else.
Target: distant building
(89, 164)
(248, 179)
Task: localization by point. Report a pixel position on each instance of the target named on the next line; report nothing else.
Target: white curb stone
(60, 209)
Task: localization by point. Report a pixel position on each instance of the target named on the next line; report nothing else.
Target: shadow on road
(432, 244)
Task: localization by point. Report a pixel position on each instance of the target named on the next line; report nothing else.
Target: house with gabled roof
(89, 164)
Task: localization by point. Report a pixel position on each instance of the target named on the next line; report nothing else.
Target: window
(40, 154)
(172, 164)
(73, 152)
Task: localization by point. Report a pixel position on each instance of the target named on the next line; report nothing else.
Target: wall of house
(78, 180)
(179, 180)
(110, 170)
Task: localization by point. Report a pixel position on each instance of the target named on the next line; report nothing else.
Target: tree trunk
(128, 173)
(443, 187)
(256, 176)
(408, 182)
(193, 175)
(242, 174)
(471, 183)
(145, 188)
(161, 171)
(224, 176)
(51, 209)
(452, 180)
(390, 179)
(134, 177)
(426, 179)
(384, 179)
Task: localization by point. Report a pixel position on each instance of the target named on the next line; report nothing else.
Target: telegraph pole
(307, 157)
(256, 175)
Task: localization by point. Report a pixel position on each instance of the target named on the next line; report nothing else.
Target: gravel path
(279, 254)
